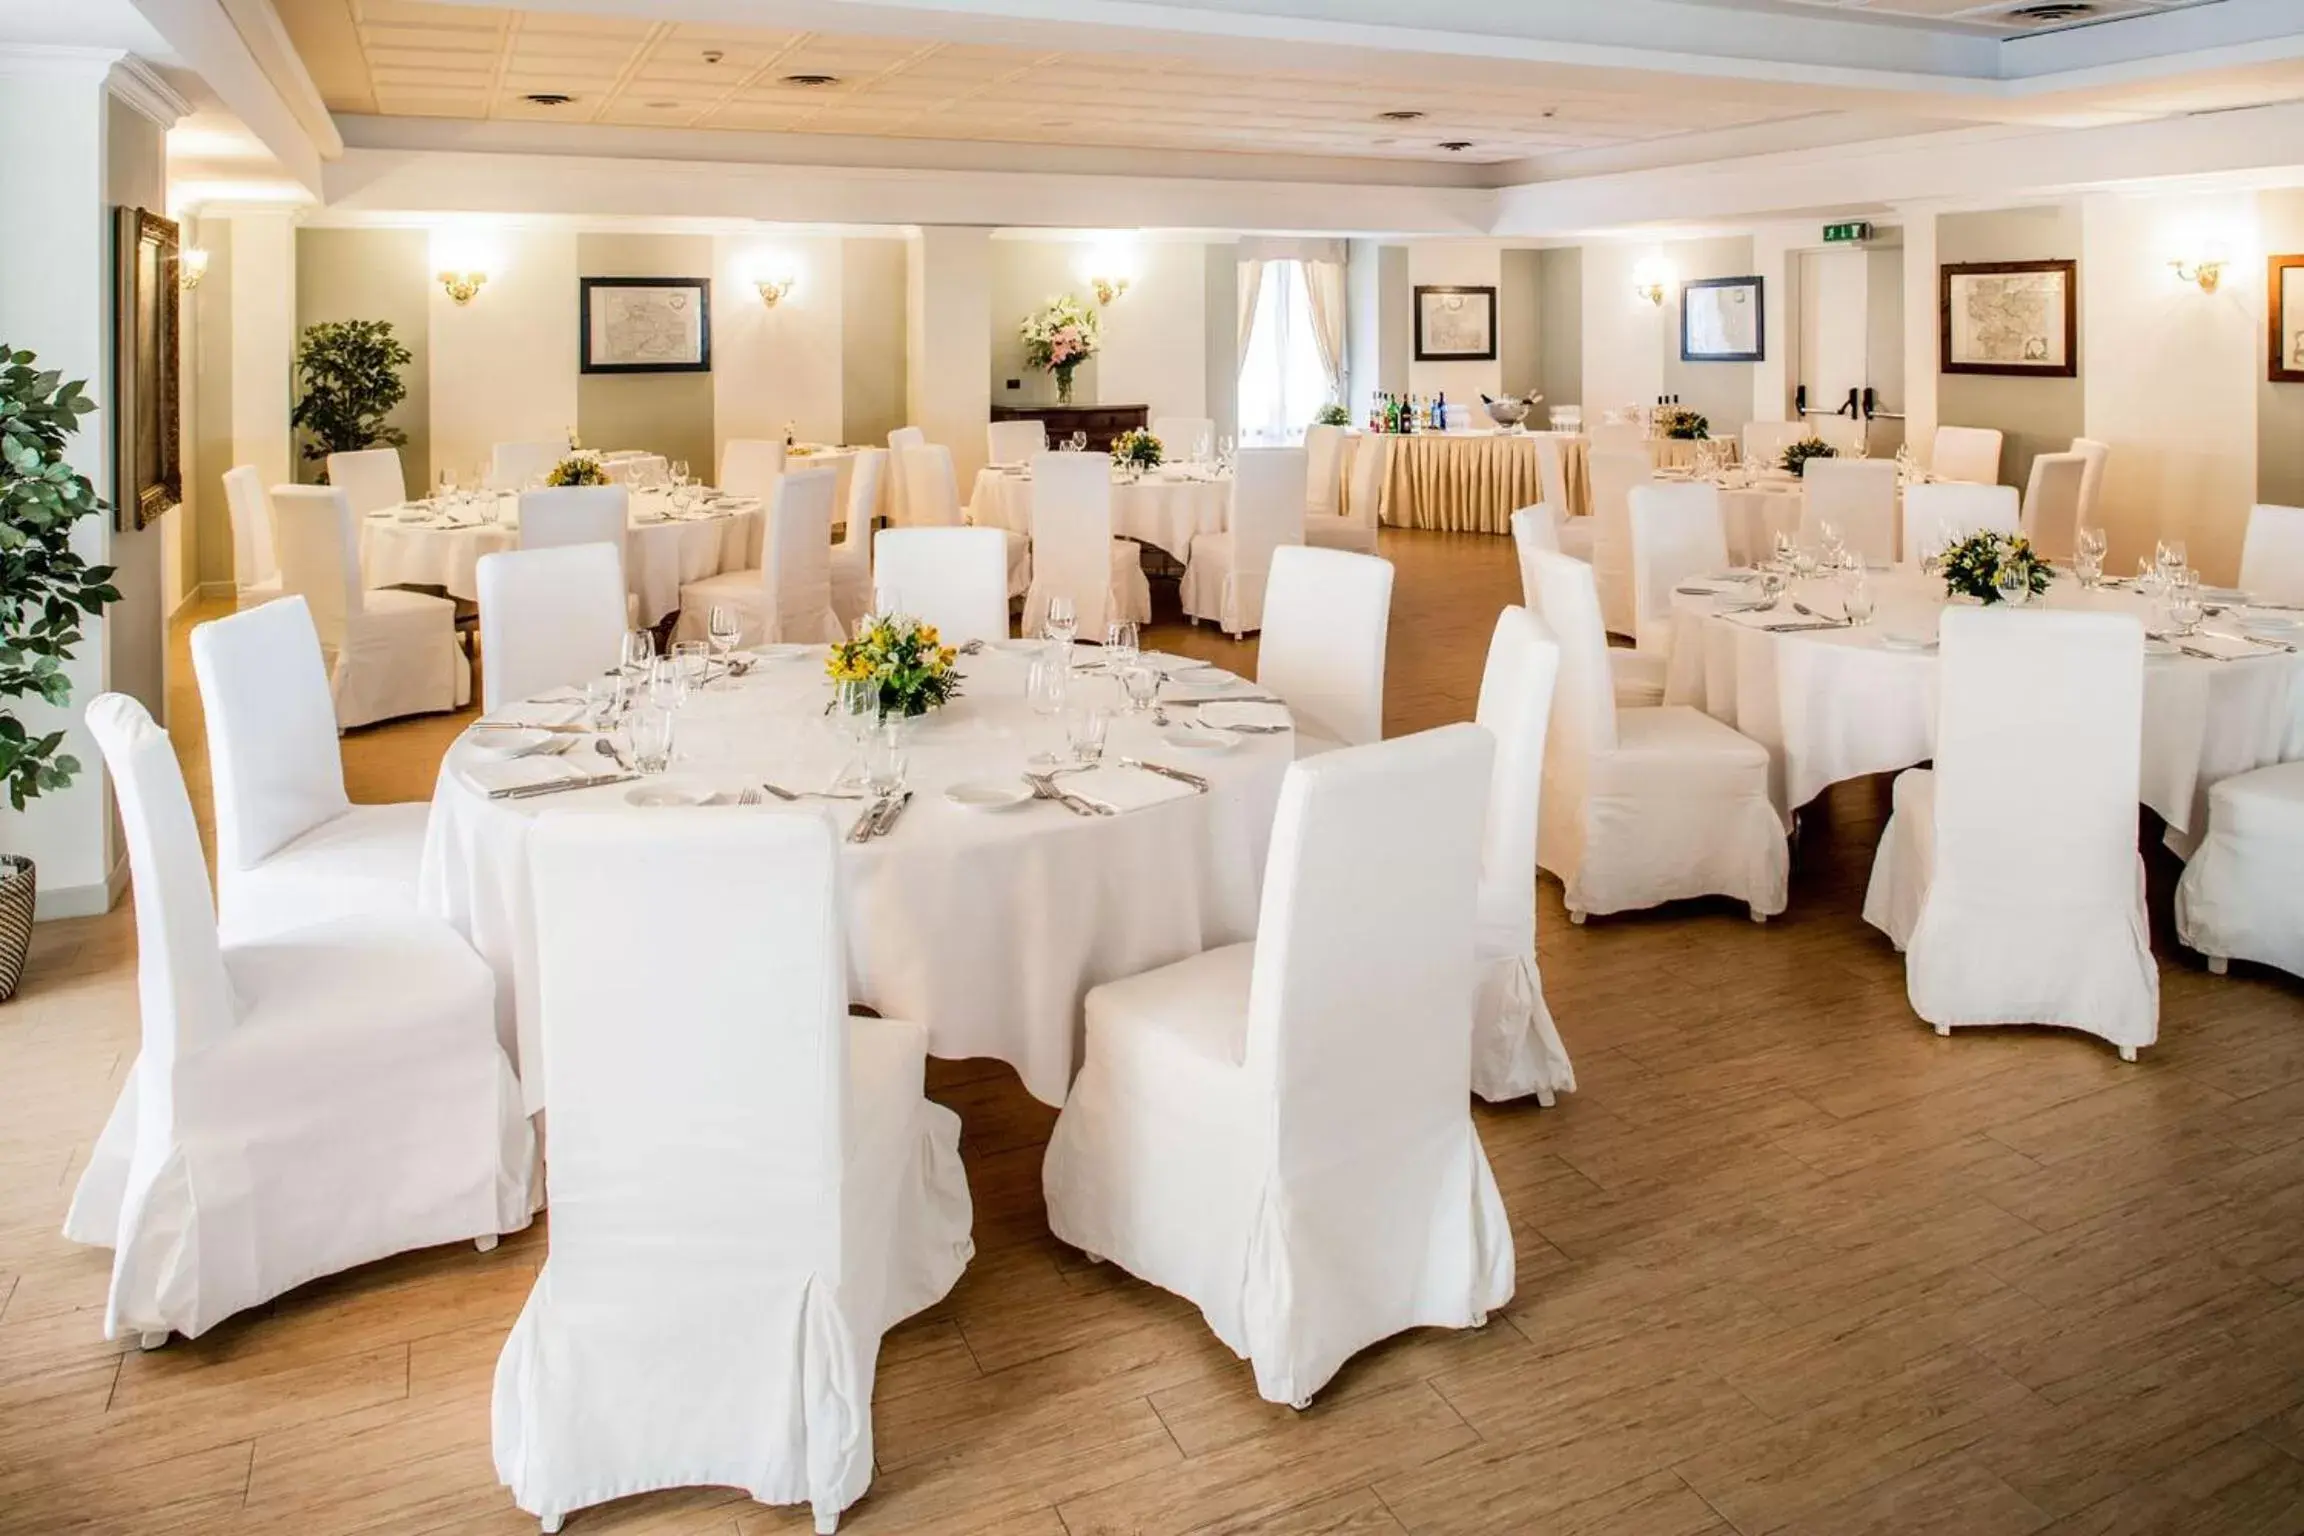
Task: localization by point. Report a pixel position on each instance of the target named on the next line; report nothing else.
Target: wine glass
(855, 715)
(1120, 643)
(639, 651)
(2170, 557)
(2088, 547)
(2187, 604)
(447, 491)
(1078, 442)
(680, 472)
(1142, 685)
(1062, 621)
(726, 627)
(1782, 546)
(2013, 583)
(1856, 598)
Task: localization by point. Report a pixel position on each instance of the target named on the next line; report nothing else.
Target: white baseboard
(81, 900)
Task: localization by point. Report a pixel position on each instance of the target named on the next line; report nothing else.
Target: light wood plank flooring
(1788, 1262)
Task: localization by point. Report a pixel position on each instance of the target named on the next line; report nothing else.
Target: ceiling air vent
(1399, 115)
(811, 82)
(547, 99)
(2053, 11)
(1455, 146)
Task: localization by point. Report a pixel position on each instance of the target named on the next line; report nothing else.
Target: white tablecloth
(1164, 509)
(662, 552)
(1754, 515)
(987, 927)
(1837, 704)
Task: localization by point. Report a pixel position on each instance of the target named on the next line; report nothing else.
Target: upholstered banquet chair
(1324, 470)
(1938, 513)
(517, 466)
(2098, 454)
(1764, 442)
(1970, 454)
(1279, 1132)
(749, 466)
(740, 1209)
(2008, 873)
(1224, 583)
(1074, 554)
(1516, 1050)
(390, 652)
(1015, 442)
(255, 566)
(2240, 898)
(1638, 676)
(1645, 806)
(900, 439)
(1676, 534)
(370, 479)
(291, 847)
(1858, 498)
(549, 618)
(1571, 535)
(302, 1104)
(931, 494)
(577, 514)
(2271, 554)
(788, 600)
(953, 578)
(1327, 616)
(2051, 512)
(1615, 473)
(852, 556)
(1354, 528)
(1181, 436)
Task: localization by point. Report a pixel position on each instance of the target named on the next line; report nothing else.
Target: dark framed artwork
(1722, 321)
(1455, 325)
(2018, 319)
(2284, 317)
(148, 474)
(645, 324)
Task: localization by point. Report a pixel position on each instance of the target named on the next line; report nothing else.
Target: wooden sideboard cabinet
(1102, 423)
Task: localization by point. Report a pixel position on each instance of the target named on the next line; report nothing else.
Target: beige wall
(1519, 323)
(2037, 415)
(2279, 407)
(872, 383)
(135, 628)
(375, 274)
(1722, 391)
(212, 452)
(1560, 364)
(1220, 343)
(666, 413)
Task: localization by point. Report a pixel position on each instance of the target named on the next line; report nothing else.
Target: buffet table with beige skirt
(1469, 482)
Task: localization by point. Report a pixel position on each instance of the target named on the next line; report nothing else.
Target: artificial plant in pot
(46, 590)
(348, 381)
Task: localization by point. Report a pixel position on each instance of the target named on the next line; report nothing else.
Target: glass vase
(1063, 386)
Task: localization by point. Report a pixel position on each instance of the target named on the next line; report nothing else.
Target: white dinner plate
(503, 744)
(1201, 738)
(989, 794)
(652, 797)
(2270, 623)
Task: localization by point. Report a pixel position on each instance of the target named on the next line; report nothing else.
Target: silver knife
(555, 786)
(862, 831)
(1166, 772)
(885, 823)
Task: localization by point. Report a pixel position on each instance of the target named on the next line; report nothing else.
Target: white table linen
(1837, 704)
(1164, 509)
(988, 928)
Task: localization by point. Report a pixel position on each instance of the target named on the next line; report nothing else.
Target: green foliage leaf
(348, 380)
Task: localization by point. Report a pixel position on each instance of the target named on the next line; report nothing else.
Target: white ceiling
(1991, 18)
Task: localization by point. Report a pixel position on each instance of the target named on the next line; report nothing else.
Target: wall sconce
(191, 266)
(1650, 280)
(1108, 288)
(774, 290)
(462, 286)
(2205, 270)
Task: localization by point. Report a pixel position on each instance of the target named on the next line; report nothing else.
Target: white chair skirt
(362, 862)
(403, 657)
(1516, 1048)
(2242, 896)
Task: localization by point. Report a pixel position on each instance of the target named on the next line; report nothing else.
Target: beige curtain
(1324, 285)
(1251, 289)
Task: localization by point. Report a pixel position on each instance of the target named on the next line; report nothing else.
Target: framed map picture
(646, 324)
(2018, 318)
(1721, 320)
(2284, 295)
(1455, 325)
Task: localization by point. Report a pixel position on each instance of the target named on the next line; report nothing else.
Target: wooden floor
(1787, 1262)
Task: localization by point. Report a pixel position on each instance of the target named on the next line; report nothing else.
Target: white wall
(948, 341)
(1454, 263)
(771, 366)
(1623, 333)
(1156, 335)
(504, 365)
(263, 342)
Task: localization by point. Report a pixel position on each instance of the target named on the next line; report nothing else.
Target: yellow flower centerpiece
(583, 467)
(907, 659)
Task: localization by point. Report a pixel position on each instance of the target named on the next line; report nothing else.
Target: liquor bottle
(1440, 412)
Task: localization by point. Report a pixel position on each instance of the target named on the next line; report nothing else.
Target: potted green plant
(1681, 424)
(348, 381)
(1136, 451)
(46, 590)
(1796, 455)
(1332, 415)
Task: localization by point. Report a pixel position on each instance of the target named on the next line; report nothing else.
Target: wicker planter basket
(18, 886)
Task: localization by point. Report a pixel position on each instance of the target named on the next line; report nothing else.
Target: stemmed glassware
(1120, 649)
(2187, 604)
(2013, 584)
(2088, 549)
(1062, 620)
(639, 651)
(855, 715)
(1142, 685)
(1078, 442)
(726, 627)
(1856, 597)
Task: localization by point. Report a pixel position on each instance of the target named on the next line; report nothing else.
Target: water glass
(680, 473)
(2187, 604)
(1120, 642)
(1142, 685)
(604, 701)
(2088, 566)
(2092, 541)
(1856, 599)
(1062, 621)
(1084, 731)
(1051, 679)
(639, 651)
(1803, 562)
(694, 658)
(884, 759)
(447, 485)
(651, 729)
(667, 684)
(726, 626)
(1783, 550)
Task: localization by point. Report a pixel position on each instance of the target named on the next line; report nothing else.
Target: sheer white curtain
(1285, 375)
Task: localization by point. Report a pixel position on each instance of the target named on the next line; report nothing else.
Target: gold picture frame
(146, 331)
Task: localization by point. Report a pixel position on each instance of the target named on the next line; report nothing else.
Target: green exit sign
(1843, 234)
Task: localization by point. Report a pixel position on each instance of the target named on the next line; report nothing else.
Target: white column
(1921, 324)
(1773, 247)
(263, 341)
(948, 342)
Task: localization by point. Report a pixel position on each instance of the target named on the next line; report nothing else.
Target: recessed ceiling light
(1399, 115)
(1455, 146)
(811, 82)
(713, 55)
(1551, 111)
(547, 99)
(2056, 10)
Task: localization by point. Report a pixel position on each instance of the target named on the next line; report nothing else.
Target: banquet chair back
(576, 514)
(899, 439)
(1181, 436)
(749, 467)
(1858, 498)
(1584, 697)
(1615, 473)
(796, 559)
(319, 556)
(1764, 442)
(254, 562)
(2051, 513)
(272, 755)
(1970, 454)
(931, 493)
(1071, 539)
(953, 578)
(866, 484)
(1324, 470)
(1267, 514)
(1015, 442)
(1939, 512)
(1327, 615)
(516, 466)
(370, 479)
(2098, 454)
(1552, 474)
(549, 618)
(1676, 534)
(1533, 532)
(1364, 496)
(2272, 554)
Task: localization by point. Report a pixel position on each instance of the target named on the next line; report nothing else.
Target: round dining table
(1840, 702)
(986, 926)
(438, 544)
(1163, 508)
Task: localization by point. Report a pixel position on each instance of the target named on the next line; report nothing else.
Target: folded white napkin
(1176, 666)
(520, 772)
(1123, 789)
(2224, 647)
(1226, 716)
(538, 712)
(1771, 618)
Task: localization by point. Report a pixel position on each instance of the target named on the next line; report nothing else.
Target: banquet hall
(1209, 766)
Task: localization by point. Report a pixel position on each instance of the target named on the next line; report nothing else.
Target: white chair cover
(931, 495)
(953, 578)
(1355, 529)
(1324, 470)
(1676, 534)
(300, 1106)
(549, 618)
(1327, 616)
(852, 556)
(1016, 442)
(1516, 1050)
(2240, 898)
(371, 479)
(750, 466)
(1638, 675)
(2098, 454)
(2272, 554)
(2009, 874)
(1645, 806)
(389, 652)
(1073, 551)
(1765, 441)
(516, 466)
(1615, 472)
(1225, 581)
(1181, 436)
(2051, 514)
(899, 513)
(1280, 1131)
(1950, 511)
(788, 600)
(742, 1205)
(291, 847)
(1971, 454)
(255, 567)
(1857, 497)
(1573, 534)
(558, 516)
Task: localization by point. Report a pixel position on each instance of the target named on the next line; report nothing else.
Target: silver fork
(781, 793)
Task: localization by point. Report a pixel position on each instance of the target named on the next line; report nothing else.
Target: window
(1282, 381)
